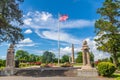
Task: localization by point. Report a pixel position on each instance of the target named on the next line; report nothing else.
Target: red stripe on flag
(63, 18)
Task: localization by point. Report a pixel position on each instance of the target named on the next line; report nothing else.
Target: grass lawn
(77, 64)
(1, 68)
(116, 76)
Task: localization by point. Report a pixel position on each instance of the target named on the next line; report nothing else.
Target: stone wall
(50, 72)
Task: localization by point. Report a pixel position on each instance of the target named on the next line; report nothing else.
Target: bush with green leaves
(106, 68)
(2, 63)
(23, 65)
(67, 64)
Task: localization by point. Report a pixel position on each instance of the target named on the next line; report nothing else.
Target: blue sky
(40, 27)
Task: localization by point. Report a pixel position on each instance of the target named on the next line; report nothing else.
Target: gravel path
(51, 78)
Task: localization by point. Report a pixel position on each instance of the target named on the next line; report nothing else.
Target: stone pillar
(88, 59)
(84, 58)
(10, 63)
(72, 53)
(86, 55)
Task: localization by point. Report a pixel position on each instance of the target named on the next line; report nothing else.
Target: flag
(63, 18)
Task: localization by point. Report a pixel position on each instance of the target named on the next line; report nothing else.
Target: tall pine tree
(108, 28)
(10, 19)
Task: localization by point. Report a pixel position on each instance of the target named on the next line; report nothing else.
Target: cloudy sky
(41, 26)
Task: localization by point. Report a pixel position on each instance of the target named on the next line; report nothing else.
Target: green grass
(1, 68)
(77, 64)
(116, 76)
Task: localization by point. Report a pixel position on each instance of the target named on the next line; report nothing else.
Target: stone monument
(72, 53)
(86, 70)
(10, 63)
(10, 57)
(86, 55)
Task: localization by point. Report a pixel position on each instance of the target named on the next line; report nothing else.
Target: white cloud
(77, 24)
(45, 16)
(25, 45)
(39, 52)
(45, 20)
(68, 50)
(27, 21)
(28, 31)
(27, 40)
(52, 35)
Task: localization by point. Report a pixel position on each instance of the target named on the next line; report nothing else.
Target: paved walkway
(51, 78)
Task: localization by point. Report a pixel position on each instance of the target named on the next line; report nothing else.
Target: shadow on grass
(115, 76)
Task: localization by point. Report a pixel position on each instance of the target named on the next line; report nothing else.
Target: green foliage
(10, 19)
(106, 68)
(56, 60)
(2, 63)
(65, 58)
(104, 60)
(22, 55)
(48, 57)
(80, 60)
(118, 55)
(107, 28)
(79, 57)
(67, 64)
(91, 57)
(35, 58)
(21, 65)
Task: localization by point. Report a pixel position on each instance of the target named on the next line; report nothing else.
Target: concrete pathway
(51, 78)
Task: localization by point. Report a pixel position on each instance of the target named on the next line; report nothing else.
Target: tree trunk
(115, 59)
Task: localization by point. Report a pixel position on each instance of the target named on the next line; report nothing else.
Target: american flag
(63, 18)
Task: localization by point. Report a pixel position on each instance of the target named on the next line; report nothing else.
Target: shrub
(106, 68)
(46, 65)
(67, 64)
(31, 63)
(23, 65)
(37, 63)
(96, 62)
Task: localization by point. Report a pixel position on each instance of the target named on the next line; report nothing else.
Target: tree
(65, 58)
(10, 19)
(107, 28)
(56, 60)
(118, 56)
(2, 63)
(79, 58)
(22, 55)
(48, 57)
(34, 58)
(91, 57)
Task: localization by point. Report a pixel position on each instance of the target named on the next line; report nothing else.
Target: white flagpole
(58, 40)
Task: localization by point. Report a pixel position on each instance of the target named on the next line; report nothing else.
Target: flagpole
(58, 40)
(60, 18)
